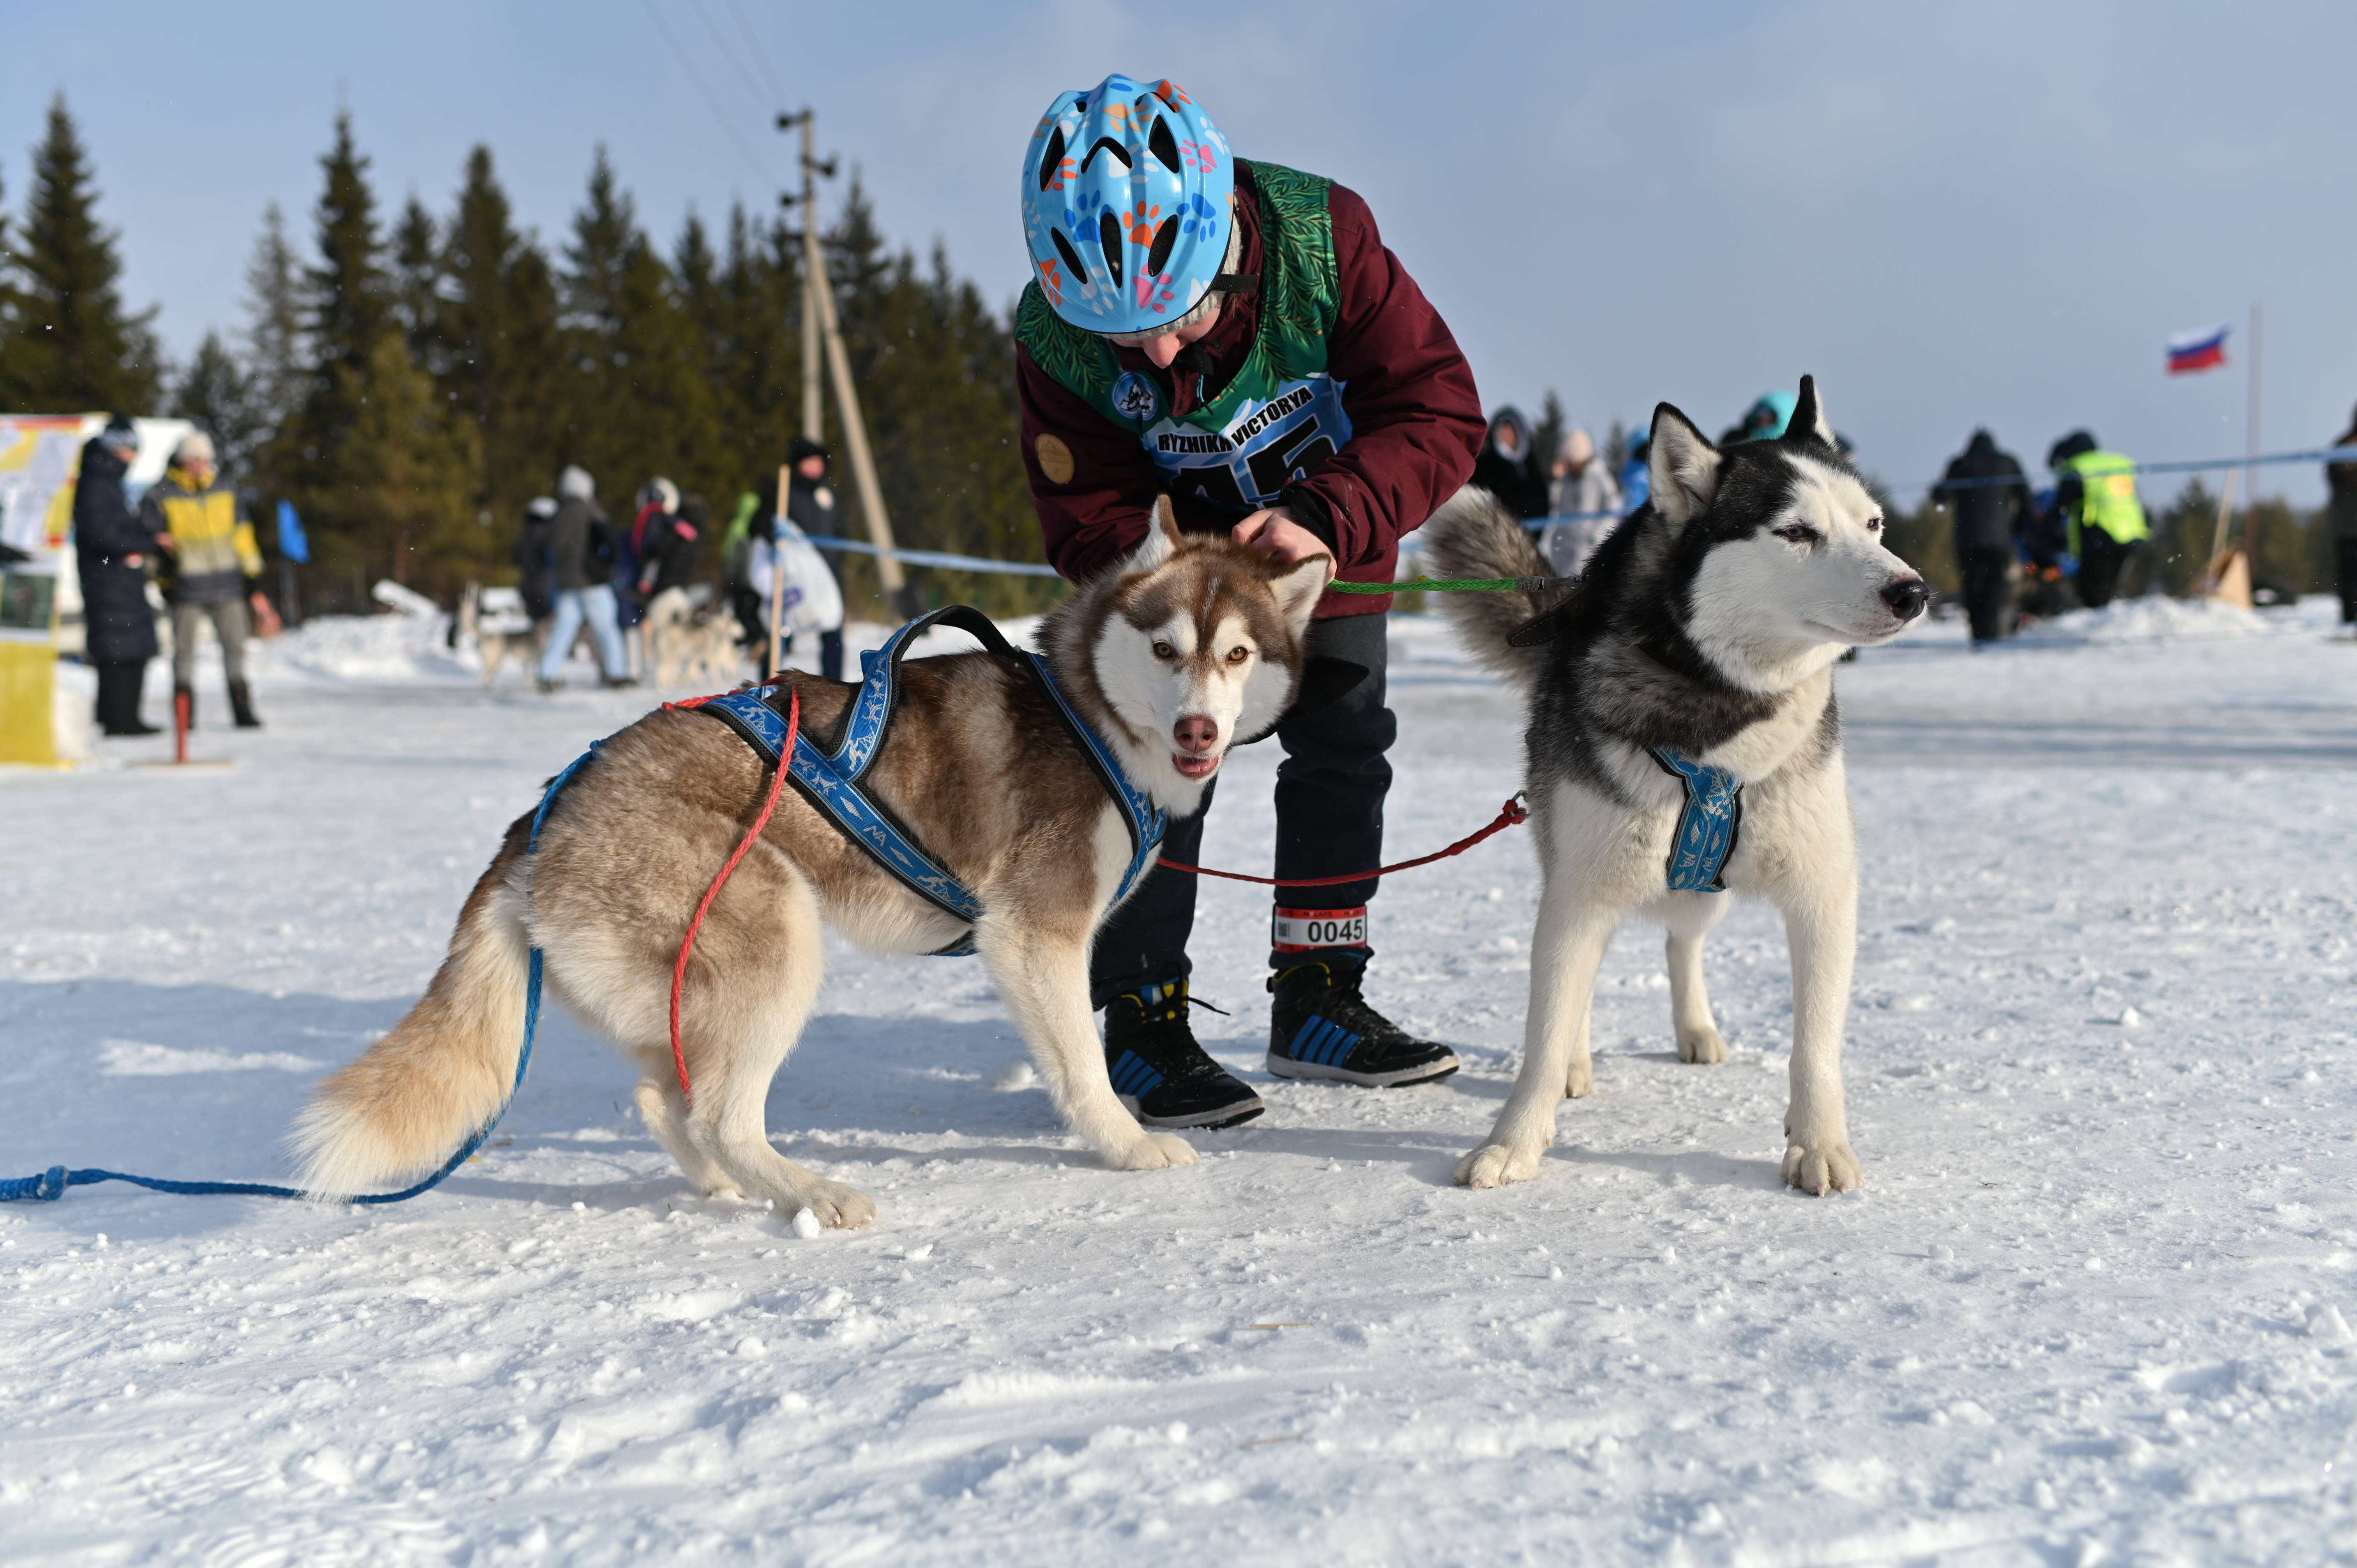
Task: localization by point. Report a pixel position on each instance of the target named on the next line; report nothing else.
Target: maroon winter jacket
(1415, 422)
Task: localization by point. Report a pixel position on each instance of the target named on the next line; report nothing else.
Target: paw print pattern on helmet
(1125, 188)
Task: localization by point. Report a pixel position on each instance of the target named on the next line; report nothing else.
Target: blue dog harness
(831, 781)
(1708, 823)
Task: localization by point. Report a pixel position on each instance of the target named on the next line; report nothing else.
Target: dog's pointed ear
(1299, 587)
(1683, 465)
(1808, 421)
(1161, 540)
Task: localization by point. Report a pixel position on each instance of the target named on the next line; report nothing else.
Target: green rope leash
(1454, 585)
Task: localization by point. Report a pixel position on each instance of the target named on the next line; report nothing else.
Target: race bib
(1264, 448)
(1299, 930)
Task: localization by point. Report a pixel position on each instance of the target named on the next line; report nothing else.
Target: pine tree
(74, 347)
(416, 277)
(11, 309)
(406, 476)
(345, 308)
(498, 330)
(935, 370)
(753, 329)
(641, 403)
(223, 398)
(274, 330)
(1547, 441)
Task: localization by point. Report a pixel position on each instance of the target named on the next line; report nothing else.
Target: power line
(761, 56)
(735, 57)
(726, 125)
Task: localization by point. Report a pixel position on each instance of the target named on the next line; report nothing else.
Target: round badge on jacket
(1135, 397)
(1055, 459)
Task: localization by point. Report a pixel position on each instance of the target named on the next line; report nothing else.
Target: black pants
(1329, 822)
(118, 694)
(2101, 560)
(1989, 593)
(2344, 554)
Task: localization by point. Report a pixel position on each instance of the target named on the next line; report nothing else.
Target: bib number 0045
(1296, 931)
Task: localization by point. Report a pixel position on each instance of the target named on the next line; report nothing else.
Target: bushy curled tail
(414, 1096)
(1473, 535)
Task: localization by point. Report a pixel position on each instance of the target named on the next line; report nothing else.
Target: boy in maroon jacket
(1308, 400)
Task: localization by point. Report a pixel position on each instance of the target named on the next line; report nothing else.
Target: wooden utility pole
(813, 421)
(897, 596)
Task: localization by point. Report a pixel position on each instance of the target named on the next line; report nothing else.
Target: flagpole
(2251, 444)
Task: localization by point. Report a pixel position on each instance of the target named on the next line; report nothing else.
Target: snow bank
(378, 650)
(2154, 620)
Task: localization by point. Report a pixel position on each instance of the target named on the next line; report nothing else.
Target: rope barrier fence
(954, 563)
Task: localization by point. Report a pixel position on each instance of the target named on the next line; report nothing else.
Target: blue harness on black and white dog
(831, 781)
(1708, 823)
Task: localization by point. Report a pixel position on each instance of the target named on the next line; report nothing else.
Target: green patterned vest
(1281, 415)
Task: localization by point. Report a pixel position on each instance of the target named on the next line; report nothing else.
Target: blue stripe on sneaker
(1132, 1077)
(1296, 1049)
(1342, 1048)
(1331, 1041)
(1322, 1032)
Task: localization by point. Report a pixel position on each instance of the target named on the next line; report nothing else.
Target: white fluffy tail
(1473, 535)
(414, 1096)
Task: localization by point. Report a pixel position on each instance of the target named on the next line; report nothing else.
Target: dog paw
(1702, 1045)
(1578, 1081)
(838, 1206)
(1155, 1152)
(1822, 1167)
(1494, 1165)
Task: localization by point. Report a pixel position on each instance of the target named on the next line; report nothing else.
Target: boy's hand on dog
(1272, 531)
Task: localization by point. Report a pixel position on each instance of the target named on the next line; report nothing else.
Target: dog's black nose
(1906, 598)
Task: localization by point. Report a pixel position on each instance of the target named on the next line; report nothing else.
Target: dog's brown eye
(1238, 655)
(1164, 650)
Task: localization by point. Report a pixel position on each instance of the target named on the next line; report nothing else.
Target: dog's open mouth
(1194, 767)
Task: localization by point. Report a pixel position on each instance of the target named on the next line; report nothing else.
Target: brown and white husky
(1171, 656)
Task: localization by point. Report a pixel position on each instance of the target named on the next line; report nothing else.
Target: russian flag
(2190, 351)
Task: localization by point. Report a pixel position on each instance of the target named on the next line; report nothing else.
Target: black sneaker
(1321, 1027)
(1158, 1069)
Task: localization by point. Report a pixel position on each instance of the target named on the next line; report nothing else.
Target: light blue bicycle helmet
(1126, 192)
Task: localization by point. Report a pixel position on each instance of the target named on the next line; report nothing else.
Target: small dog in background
(497, 622)
(690, 634)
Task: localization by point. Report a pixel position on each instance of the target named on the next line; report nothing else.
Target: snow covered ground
(2093, 1304)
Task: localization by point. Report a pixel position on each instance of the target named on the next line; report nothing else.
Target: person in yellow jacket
(211, 571)
(2097, 494)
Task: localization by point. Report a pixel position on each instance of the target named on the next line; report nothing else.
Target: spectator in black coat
(1992, 509)
(2340, 510)
(114, 550)
(535, 576)
(1506, 467)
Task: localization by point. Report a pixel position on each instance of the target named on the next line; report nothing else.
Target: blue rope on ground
(52, 1183)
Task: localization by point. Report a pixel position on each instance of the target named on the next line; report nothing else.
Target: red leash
(687, 946)
(1512, 812)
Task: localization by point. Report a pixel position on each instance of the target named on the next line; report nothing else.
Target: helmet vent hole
(1105, 144)
(1164, 239)
(1163, 145)
(1072, 261)
(1054, 157)
(1109, 241)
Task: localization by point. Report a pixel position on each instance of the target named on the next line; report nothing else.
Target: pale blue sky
(1952, 214)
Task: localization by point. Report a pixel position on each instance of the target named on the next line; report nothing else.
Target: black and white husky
(1704, 630)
